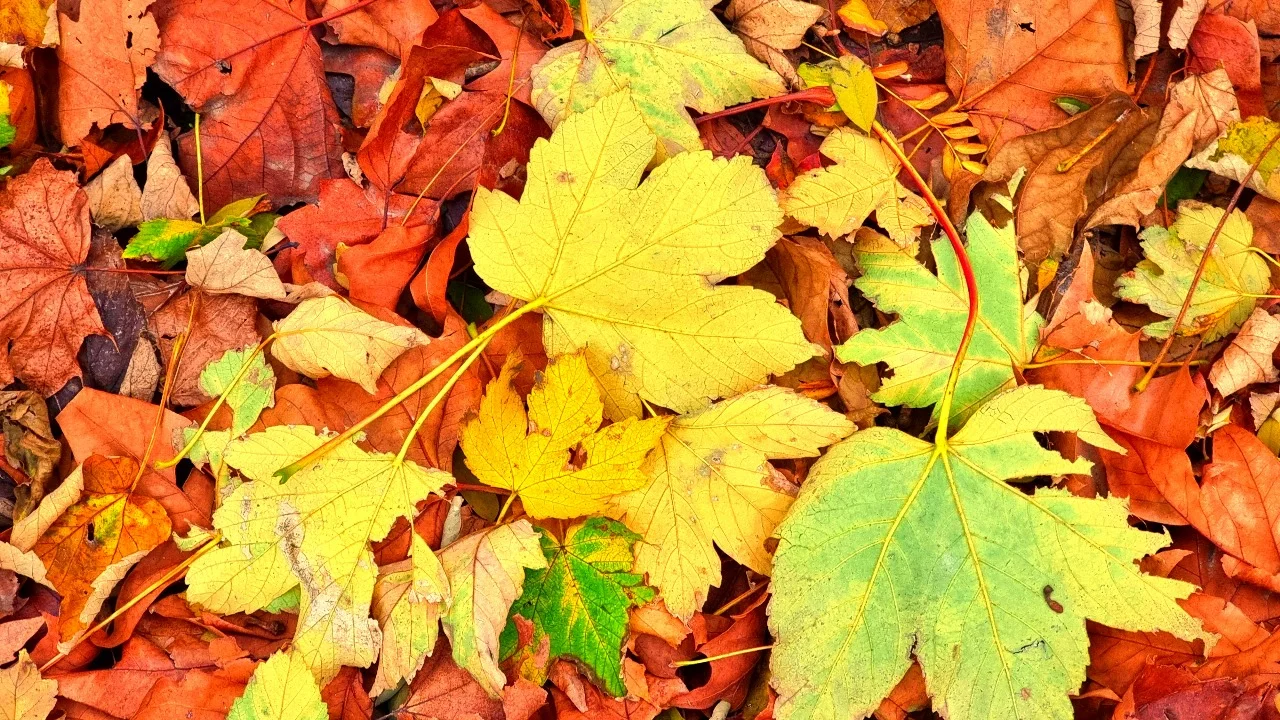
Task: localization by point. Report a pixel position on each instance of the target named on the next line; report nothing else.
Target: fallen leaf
(24, 694)
(226, 266)
(838, 199)
(254, 72)
(103, 58)
(709, 481)
(111, 523)
(329, 336)
(862, 559)
(219, 323)
(254, 392)
(670, 53)
(632, 323)
(346, 697)
(1248, 359)
(29, 445)
(1239, 148)
(444, 691)
(1199, 110)
(1007, 61)
(1224, 42)
(528, 453)
(1225, 295)
(486, 573)
(580, 601)
(768, 27)
(166, 194)
(29, 22)
(408, 600)
(45, 308)
(1236, 497)
(24, 563)
(915, 347)
(282, 688)
(114, 196)
(391, 27)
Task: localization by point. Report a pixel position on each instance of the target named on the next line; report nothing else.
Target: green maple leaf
(1227, 291)
(897, 547)
(254, 392)
(580, 601)
(673, 54)
(166, 240)
(932, 309)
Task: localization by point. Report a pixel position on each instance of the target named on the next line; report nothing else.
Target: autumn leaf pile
(639, 359)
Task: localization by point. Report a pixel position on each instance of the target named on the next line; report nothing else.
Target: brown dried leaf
(115, 200)
(103, 61)
(225, 266)
(1247, 360)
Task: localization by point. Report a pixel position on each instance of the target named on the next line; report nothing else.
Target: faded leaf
(329, 336)
(166, 194)
(282, 688)
(924, 551)
(767, 27)
(650, 327)
(1233, 154)
(838, 199)
(45, 307)
(142, 376)
(486, 573)
(408, 600)
(254, 392)
(24, 694)
(1224, 297)
(114, 196)
(220, 323)
(528, 453)
(1248, 359)
(710, 482)
(23, 562)
(226, 266)
(314, 531)
(672, 54)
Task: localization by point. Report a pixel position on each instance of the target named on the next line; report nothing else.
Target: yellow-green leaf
(898, 548)
(1226, 293)
(408, 600)
(672, 54)
(330, 336)
(281, 688)
(626, 273)
(838, 199)
(255, 392)
(709, 481)
(530, 454)
(313, 531)
(486, 574)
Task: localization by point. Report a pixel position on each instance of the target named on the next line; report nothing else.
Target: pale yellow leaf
(329, 336)
(709, 481)
(226, 266)
(114, 197)
(1247, 360)
(24, 563)
(408, 600)
(486, 574)
(24, 694)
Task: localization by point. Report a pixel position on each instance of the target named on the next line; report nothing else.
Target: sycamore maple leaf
(528, 454)
(281, 688)
(897, 548)
(255, 392)
(46, 311)
(313, 532)
(1228, 289)
(579, 603)
(920, 346)
(839, 198)
(672, 54)
(408, 600)
(626, 273)
(709, 483)
(486, 574)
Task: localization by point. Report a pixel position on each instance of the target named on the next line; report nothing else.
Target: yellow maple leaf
(407, 602)
(528, 454)
(330, 336)
(486, 574)
(626, 274)
(280, 689)
(24, 694)
(313, 532)
(709, 480)
(839, 198)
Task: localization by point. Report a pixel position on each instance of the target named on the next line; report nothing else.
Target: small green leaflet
(166, 240)
(254, 393)
(932, 309)
(897, 548)
(580, 601)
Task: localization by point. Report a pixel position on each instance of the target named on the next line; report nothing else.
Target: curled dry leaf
(166, 194)
(1247, 360)
(226, 266)
(103, 58)
(115, 200)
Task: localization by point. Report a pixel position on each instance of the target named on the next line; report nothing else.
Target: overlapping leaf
(898, 548)
(408, 600)
(932, 310)
(528, 454)
(281, 688)
(624, 273)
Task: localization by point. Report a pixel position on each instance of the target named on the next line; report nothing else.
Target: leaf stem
(584, 11)
(1204, 262)
(821, 95)
(713, 658)
(199, 169)
(966, 269)
(1098, 361)
(288, 471)
(170, 379)
(439, 397)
